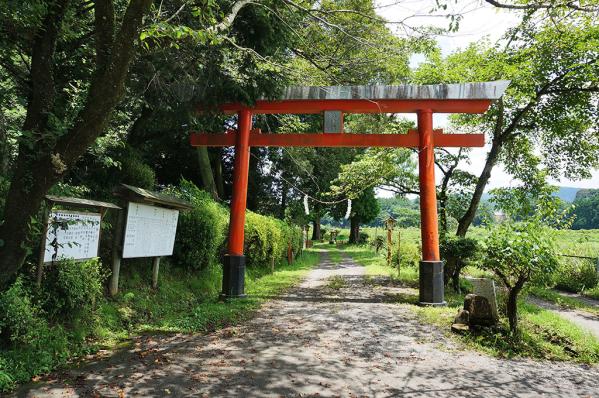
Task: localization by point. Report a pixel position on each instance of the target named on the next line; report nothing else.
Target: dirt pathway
(586, 320)
(587, 300)
(322, 342)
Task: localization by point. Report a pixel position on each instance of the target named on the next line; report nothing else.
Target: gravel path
(317, 341)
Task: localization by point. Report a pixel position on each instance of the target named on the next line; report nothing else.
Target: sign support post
(40, 264)
(155, 269)
(117, 249)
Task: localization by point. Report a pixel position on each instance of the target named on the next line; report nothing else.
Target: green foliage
(362, 238)
(378, 243)
(409, 257)
(135, 172)
(586, 210)
(201, 231)
(576, 274)
(267, 239)
(20, 318)
(519, 253)
(30, 345)
(72, 290)
(457, 253)
(521, 250)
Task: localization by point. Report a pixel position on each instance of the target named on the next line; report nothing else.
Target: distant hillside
(567, 194)
(583, 193)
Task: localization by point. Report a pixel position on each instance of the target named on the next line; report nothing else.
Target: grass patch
(592, 293)
(544, 334)
(376, 265)
(193, 312)
(563, 301)
(336, 282)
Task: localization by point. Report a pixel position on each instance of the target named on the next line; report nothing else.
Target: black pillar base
(233, 277)
(432, 292)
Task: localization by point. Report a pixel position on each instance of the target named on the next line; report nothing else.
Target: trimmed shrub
(201, 232)
(576, 274)
(267, 238)
(72, 289)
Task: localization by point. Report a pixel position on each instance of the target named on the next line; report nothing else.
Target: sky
(480, 21)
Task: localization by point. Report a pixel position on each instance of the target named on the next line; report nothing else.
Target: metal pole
(234, 262)
(431, 268)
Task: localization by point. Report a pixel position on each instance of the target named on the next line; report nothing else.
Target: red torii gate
(334, 102)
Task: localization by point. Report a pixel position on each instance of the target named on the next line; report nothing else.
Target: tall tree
(50, 145)
(547, 118)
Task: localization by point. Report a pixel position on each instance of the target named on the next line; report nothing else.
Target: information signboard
(72, 234)
(150, 231)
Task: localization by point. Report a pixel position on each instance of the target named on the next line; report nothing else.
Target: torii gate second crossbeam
(334, 102)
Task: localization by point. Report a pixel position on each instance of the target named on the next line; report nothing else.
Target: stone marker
(486, 287)
(479, 310)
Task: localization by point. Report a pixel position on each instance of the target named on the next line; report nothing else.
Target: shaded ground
(351, 341)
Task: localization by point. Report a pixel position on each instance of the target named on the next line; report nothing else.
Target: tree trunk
(38, 167)
(443, 212)
(136, 136)
(354, 230)
(316, 229)
(492, 158)
(206, 172)
(499, 137)
(455, 277)
(217, 168)
(284, 191)
(512, 305)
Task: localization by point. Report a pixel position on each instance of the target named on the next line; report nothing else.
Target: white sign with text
(150, 231)
(72, 235)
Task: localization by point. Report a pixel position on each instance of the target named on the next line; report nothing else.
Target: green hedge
(268, 238)
(202, 232)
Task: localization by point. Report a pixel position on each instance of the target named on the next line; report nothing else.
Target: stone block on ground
(479, 310)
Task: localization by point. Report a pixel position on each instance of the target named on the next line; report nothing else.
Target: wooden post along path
(333, 102)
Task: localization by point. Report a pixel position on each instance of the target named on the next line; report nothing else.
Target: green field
(571, 242)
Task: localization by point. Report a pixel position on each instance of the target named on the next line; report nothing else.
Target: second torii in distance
(334, 102)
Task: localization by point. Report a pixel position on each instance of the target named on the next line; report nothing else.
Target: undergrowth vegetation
(70, 315)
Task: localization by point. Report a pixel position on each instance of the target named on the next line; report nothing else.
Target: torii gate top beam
(438, 98)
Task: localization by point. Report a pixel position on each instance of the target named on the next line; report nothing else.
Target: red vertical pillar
(234, 262)
(431, 268)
